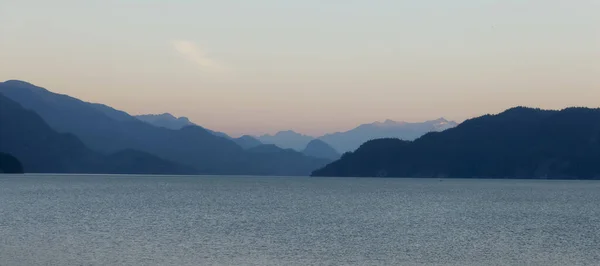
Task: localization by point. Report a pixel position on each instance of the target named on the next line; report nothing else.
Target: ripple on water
(136, 220)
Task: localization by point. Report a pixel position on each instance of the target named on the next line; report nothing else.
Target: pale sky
(314, 66)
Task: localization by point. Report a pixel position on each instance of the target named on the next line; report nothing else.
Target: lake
(162, 220)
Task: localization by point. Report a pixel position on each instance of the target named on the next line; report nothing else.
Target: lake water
(137, 220)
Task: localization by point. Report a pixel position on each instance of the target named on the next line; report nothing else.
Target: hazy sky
(314, 66)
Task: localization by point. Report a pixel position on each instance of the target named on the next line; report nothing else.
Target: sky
(313, 66)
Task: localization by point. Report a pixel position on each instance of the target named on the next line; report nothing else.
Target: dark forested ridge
(9, 164)
(24, 134)
(43, 150)
(39, 148)
(518, 143)
(108, 131)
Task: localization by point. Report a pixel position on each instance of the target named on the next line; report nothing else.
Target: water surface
(161, 220)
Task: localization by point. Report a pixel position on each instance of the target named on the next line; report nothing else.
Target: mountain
(247, 142)
(267, 148)
(138, 162)
(169, 121)
(352, 139)
(106, 130)
(518, 143)
(283, 160)
(24, 134)
(219, 134)
(287, 140)
(9, 164)
(319, 149)
(113, 113)
(166, 120)
(39, 148)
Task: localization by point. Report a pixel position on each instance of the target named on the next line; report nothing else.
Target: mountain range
(350, 140)
(106, 130)
(287, 139)
(45, 132)
(166, 120)
(518, 143)
(40, 149)
(284, 139)
(340, 141)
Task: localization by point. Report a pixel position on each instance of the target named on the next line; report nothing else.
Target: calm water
(135, 220)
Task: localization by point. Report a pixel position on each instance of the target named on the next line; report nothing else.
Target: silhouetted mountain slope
(138, 162)
(191, 145)
(287, 140)
(267, 148)
(113, 113)
(9, 164)
(166, 120)
(169, 121)
(247, 142)
(26, 135)
(66, 114)
(219, 134)
(283, 160)
(319, 149)
(518, 143)
(352, 139)
(39, 148)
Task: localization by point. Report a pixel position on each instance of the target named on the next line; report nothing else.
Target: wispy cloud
(194, 53)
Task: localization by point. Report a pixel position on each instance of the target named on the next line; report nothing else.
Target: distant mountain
(267, 148)
(518, 143)
(319, 149)
(9, 164)
(113, 113)
(166, 120)
(287, 140)
(138, 162)
(247, 142)
(169, 121)
(283, 160)
(219, 134)
(26, 135)
(107, 130)
(352, 139)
